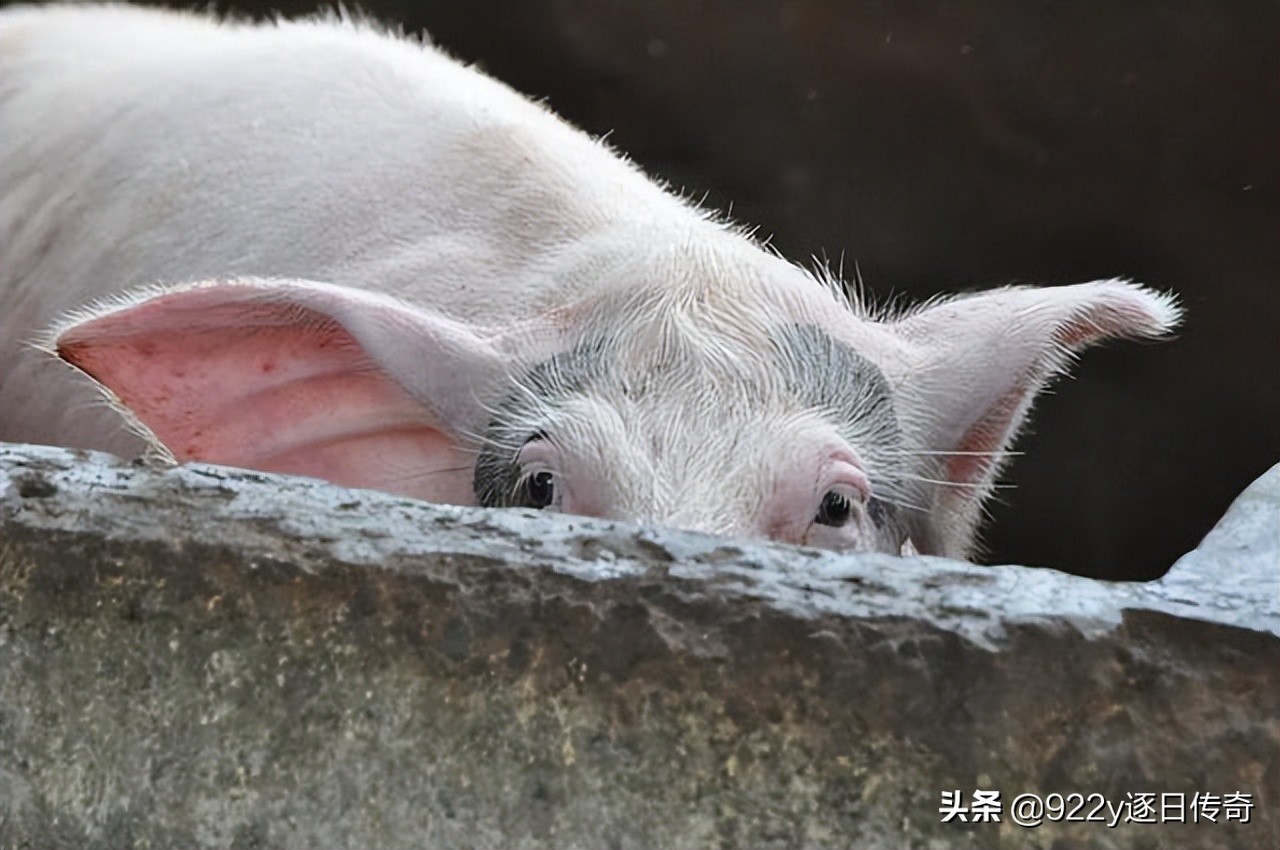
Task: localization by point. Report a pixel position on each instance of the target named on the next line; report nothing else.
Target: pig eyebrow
(826, 374)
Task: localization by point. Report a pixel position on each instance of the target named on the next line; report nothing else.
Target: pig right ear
(299, 377)
(971, 367)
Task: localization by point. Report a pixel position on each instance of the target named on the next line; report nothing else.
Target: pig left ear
(294, 376)
(973, 366)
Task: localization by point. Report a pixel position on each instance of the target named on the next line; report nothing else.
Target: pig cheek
(858, 535)
(790, 520)
(825, 537)
(790, 514)
(583, 496)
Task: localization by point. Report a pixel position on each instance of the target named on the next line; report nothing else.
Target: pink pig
(371, 264)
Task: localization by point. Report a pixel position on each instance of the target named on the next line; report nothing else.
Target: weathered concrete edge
(66, 490)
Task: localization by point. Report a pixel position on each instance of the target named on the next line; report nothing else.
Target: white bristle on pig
(321, 248)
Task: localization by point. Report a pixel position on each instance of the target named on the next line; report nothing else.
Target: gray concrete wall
(205, 657)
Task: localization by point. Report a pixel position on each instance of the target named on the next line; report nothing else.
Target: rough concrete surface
(200, 656)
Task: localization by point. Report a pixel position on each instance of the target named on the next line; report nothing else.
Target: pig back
(144, 147)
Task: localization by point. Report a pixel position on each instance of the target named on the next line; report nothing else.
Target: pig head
(766, 406)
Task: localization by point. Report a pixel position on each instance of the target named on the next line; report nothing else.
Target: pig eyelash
(523, 478)
(890, 493)
(522, 483)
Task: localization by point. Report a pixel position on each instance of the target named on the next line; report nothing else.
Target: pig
(321, 248)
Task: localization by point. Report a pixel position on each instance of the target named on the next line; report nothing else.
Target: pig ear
(976, 363)
(294, 376)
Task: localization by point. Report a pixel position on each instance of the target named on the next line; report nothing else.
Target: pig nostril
(835, 510)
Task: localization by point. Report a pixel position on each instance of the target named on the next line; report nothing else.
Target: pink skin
(265, 387)
(797, 500)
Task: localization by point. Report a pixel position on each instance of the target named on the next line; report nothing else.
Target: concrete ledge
(201, 656)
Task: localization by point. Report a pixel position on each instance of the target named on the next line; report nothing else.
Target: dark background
(946, 146)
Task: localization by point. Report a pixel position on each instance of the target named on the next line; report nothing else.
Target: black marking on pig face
(880, 511)
(497, 474)
(818, 372)
(829, 376)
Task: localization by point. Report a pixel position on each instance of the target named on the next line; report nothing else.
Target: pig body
(142, 147)
(363, 261)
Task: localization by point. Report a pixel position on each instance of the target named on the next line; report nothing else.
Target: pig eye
(539, 486)
(836, 509)
(540, 489)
